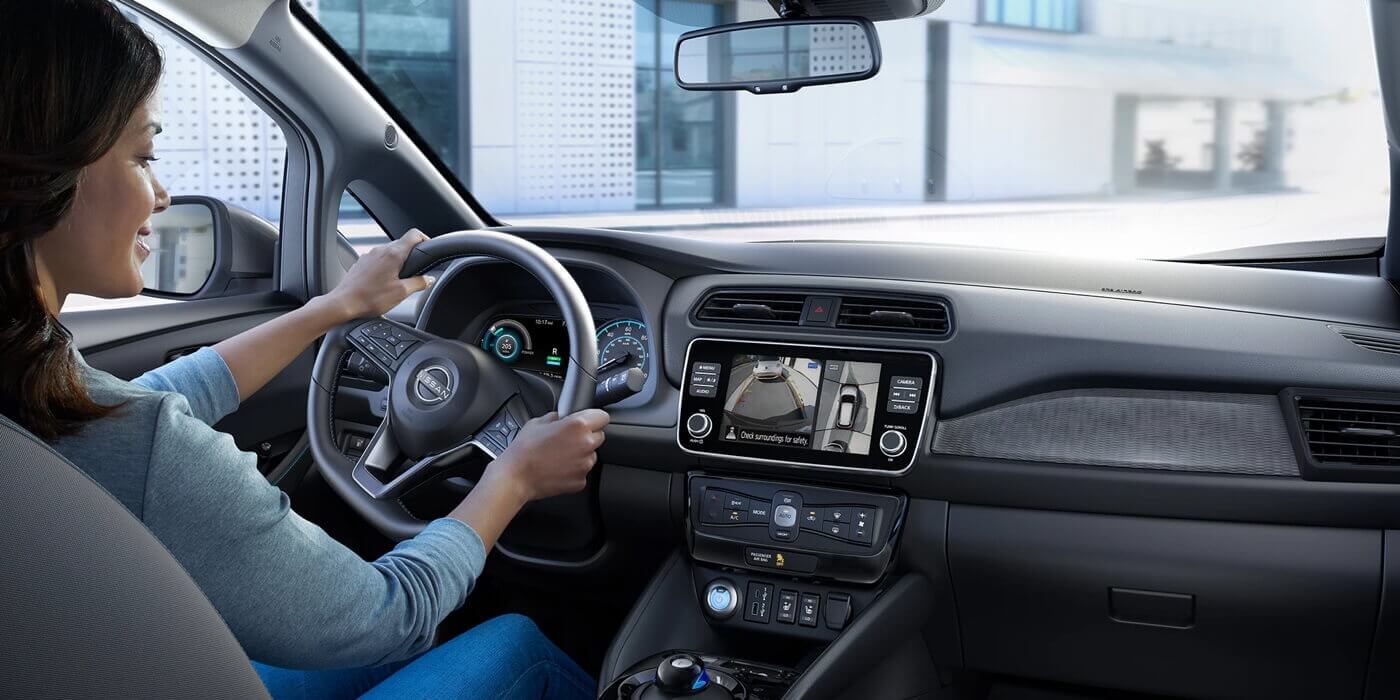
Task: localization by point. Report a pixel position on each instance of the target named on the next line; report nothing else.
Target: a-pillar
(1224, 144)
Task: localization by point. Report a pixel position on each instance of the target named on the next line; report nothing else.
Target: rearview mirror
(778, 56)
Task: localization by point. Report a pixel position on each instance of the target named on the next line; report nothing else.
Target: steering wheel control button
(808, 608)
(893, 443)
(780, 560)
(721, 599)
(838, 611)
(784, 516)
(699, 425)
(760, 602)
(704, 379)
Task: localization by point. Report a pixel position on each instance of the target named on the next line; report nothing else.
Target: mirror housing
(778, 56)
(202, 248)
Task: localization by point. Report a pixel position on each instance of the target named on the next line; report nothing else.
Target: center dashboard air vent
(928, 317)
(751, 306)
(1346, 436)
(894, 314)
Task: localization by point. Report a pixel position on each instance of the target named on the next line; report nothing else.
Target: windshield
(1134, 128)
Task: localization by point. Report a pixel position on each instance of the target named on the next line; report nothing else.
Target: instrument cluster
(541, 344)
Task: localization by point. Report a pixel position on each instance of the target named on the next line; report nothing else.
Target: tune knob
(698, 425)
(893, 443)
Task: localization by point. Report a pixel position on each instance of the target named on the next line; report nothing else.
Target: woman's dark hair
(75, 71)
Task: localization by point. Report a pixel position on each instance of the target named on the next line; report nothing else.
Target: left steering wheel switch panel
(385, 342)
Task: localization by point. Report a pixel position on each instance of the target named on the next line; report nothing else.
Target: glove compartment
(1174, 607)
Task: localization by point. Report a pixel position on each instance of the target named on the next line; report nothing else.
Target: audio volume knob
(698, 425)
(893, 443)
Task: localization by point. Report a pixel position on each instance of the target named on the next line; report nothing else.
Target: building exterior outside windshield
(1103, 120)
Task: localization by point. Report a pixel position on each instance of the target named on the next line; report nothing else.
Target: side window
(358, 229)
(215, 143)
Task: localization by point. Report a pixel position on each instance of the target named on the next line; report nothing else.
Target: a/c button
(780, 561)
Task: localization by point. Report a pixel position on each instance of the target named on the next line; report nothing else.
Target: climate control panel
(793, 528)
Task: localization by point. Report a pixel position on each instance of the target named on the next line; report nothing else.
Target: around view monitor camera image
(801, 402)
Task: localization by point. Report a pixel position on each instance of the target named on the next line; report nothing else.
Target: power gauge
(507, 339)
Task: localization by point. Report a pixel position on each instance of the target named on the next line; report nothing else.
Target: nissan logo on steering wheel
(433, 384)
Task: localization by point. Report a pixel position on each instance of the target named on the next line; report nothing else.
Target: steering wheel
(447, 399)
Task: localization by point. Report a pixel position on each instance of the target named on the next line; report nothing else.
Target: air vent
(1371, 339)
(746, 306)
(1350, 432)
(894, 314)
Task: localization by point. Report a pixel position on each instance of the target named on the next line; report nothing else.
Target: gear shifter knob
(679, 674)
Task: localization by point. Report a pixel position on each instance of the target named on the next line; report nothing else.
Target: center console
(786, 589)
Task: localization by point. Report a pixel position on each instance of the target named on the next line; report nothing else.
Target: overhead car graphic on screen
(846, 403)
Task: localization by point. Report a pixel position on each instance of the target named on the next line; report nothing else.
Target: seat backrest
(91, 604)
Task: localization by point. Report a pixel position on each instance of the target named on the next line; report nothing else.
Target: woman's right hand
(552, 455)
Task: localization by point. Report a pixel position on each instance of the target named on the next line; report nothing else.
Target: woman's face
(97, 248)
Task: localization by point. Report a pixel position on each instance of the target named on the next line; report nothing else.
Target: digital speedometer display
(541, 344)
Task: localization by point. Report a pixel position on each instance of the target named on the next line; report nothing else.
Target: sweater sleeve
(293, 596)
(203, 378)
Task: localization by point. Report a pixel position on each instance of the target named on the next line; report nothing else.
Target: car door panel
(130, 342)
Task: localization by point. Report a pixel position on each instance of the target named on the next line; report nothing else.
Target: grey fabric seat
(91, 604)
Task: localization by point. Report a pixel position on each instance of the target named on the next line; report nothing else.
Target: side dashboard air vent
(894, 314)
(1371, 339)
(748, 306)
(1348, 435)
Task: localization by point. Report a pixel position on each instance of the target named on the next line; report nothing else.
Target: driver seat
(91, 604)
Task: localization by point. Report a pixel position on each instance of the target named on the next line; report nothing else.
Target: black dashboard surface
(1026, 326)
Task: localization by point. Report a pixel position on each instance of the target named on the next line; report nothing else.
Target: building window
(1049, 15)
(678, 146)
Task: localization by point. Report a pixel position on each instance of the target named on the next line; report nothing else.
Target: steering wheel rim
(420, 424)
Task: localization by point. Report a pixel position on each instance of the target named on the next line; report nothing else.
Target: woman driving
(79, 120)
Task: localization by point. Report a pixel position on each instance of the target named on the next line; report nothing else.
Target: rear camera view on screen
(801, 402)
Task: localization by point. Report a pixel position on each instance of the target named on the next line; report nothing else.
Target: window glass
(356, 224)
(1141, 128)
(214, 142)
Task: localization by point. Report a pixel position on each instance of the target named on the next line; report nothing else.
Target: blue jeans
(506, 658)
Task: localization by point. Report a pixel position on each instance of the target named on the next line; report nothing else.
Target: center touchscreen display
(800, 402)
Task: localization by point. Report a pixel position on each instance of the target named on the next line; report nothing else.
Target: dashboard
(1095, 445)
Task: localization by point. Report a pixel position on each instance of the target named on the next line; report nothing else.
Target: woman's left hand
(372, 286)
